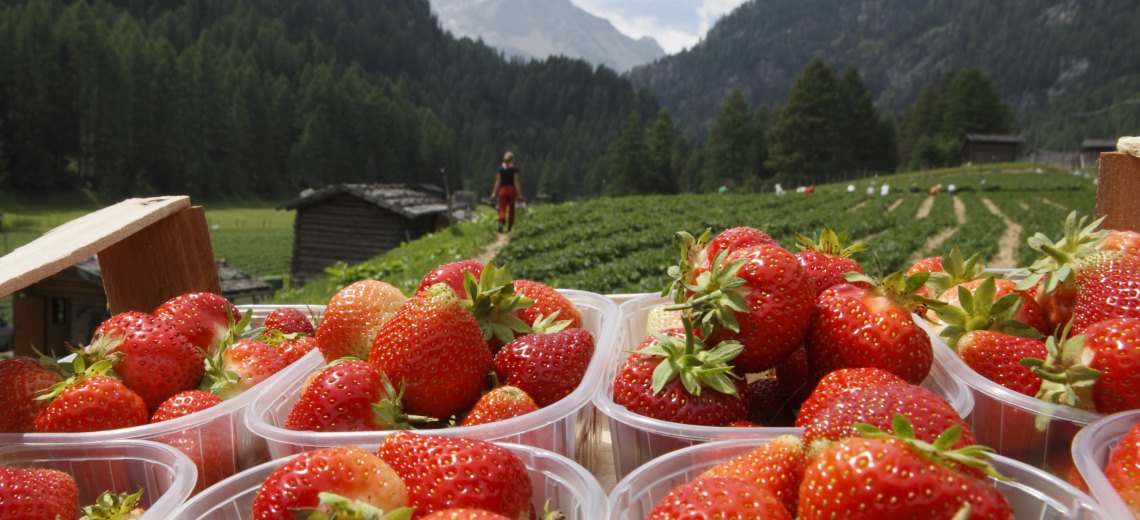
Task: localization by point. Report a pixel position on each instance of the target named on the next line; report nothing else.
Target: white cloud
(712, 10)
(675, 24)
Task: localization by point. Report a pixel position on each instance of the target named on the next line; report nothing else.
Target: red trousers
(507, 196)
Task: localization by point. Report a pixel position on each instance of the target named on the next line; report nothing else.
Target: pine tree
(627, 163)
(805, 144)
(730, 160)
(662, 157)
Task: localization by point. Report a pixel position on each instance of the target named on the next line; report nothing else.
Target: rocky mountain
(541, 28)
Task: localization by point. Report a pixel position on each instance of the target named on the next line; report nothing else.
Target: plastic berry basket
(1091, 448)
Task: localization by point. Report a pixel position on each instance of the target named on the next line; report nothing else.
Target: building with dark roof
(1092, 148)
(989, 148)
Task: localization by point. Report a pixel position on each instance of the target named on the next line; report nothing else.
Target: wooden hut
(1092, 148)
(355, 222)
(987, 148)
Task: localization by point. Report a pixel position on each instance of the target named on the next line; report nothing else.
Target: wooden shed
(67, 307)
(355, 222)
(1092, 148)
(988, 148)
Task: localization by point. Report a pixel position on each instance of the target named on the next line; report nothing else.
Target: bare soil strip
(924, 209)
(935, 241)
(858, 206)
(1023, 205)
(894, 205)
(1007, 244)
(1054, 204)
(493, 248)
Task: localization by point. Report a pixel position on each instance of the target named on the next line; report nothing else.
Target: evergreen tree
(730, 159)
(663, 155)
(805, 143)
(627, 161)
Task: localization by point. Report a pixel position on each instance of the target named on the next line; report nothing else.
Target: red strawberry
(930, 264)
(238, 367)
(840, 382)
(205, 319)
(857, 327)
(949, 271)
(90, 401)
(452, 275)
(152, 358)
(445, 472)
(776, 466)
(699, 392)
(362, 481)
(1094, 371)
(184, 403)
(499, 404)
(983, 308)
(1108, 286)
(464, 514)
(21, 381)
(548, 365)
(37, 494)
(718, 498)
(1125, 241)
(547, 302)
(1121, 469)
(794, 377)
(349, 396)
(826, 261)
(768, 405)
(352, 317)
(732, 239)
(908, 479)
(435, 348)
(289, 320)
(928, 413)
(997, 356)
(293, 349)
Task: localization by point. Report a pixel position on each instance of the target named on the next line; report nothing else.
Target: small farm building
(985, 148)
(354, 222)
(1092, 148)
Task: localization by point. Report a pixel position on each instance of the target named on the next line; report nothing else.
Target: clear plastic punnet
(164, 474)
(567, 486)
(1091, 448)
(637, 439)
(566, 427)
(1032, 493)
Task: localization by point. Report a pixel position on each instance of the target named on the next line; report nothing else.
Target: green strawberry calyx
(956, 270)
(218, 378)
(979, 311)
(81, 372)
(111, 506)
(973, 456)
(390, 409)
(899, 288)
(690, 249)
(715, 297)
(830, 244)
(549, 324)
(1055, 266)
(336, 507)
(695, 364)
(1066, 377)
(493, 302)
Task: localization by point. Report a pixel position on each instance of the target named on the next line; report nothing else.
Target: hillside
(1069, 69)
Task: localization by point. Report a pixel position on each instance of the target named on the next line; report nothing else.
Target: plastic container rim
(1085, 458)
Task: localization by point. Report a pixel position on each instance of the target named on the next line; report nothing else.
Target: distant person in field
(507, 190)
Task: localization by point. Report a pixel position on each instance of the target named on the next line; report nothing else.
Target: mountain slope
(1053, 60)
(542, 28)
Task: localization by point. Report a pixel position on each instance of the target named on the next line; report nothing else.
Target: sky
(675, 24)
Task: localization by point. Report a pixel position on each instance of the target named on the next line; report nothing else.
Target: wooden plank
(29, 314)
(80, 238)
(167, 258)
(1118, 183)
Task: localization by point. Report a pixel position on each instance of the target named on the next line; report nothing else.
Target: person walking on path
(507, 190)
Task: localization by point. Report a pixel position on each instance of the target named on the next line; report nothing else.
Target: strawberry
(547, 302)
(768, 405)
(858, 327)
(184, 403)
(732, 239)
(793, 375)
(348, 396)
(662, 318)
(718, 498)
(293, 349)
(840, 382)
(997, 356)
(909, 478)
(1094, 371)
(949, 271)
(930, 264)
(37, 494)
(1125, 241)
(989, 304)
(340, 480)
(90, 401)
(928, 413)
(653, 382)
(205, 319)
(826, 260)
(435, 348)
(499, 404)
(776, 466)
(152, 358)
(460, 513)
(238, 367)
(289, 320)
(445, 472)
(1121, 469)
(494, 301)
(1108, 286)
(547, 365)
(452, 275)
(21, 380)
(352, 317)
(115, 506)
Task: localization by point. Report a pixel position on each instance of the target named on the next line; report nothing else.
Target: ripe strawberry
(928, 413)
(352, 317)
(464, 514)
(794, 376)
(1108, 286)
(718, 498)
(732, 239)
(908, 479)
(1125, 241)
(205, 319)
(37, 494)
(1121, 469)
(452, 275)
(238, 367)
(949, 271)
(700, 391)
(360, 482)
(90, 401)
(445, 472)
(826, 260)
(776, 466)
(434, 347)
(840, 382)
(293, 349)
(495, 302)
(768, 405)
(857, 327)
(930, 264)
(546, 365)
(348, 396)
(499, 404)
(1094, 371)
(152, 358)
(184, 403)
(289, 320)
(988, 304)
(997, 356)
(21, 380)
(547, 302)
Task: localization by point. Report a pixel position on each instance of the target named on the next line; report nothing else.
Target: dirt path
(858, 206)
(894, 205)
(501, 241)
(1007, 244)
(1048, 202)
(1023, 205)
(924, 209)
(935, 241)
